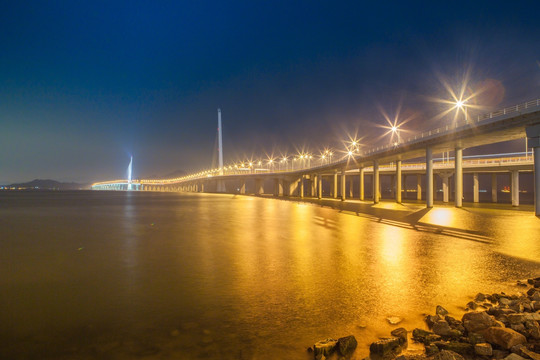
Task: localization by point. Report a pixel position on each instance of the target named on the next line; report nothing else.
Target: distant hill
(39, 184)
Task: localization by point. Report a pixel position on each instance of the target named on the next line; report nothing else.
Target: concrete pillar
(361, 174)
(293, 186)
(445, 187)
(418, 187)
(351, 184)
(404, 186)
(302, 186)
(536, 155)
(459, 177)
(319, 186)
(242, 186)
(398, 181)
(343, 185)
(202, 187)
(313, 179)
(494, 187)
(476, 188)
(533, 140)
(429, 178)
(335, 185)
(259, 186)
(515, 188)
(376, 184)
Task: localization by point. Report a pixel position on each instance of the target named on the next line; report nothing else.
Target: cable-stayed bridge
(414, 156)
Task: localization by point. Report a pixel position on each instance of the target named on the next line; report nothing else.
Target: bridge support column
(319, 186)
(429, 178)
(335, 185)
(515, 188)
(376, 183)
(445, 186)
(221, 186)
(343, 185)
(313, 181)
(533, 138)
(494, 187)
(201, 189)
(361, 174)
(293, 186)
(351, 184)
(259, 186)
(302, 186)
(242, 186)
(398, 181)
(459, 177)
(404, 186)
(476, 188)
(418, 187)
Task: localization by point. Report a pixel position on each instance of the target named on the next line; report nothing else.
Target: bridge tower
(129, 173)
(220, 183)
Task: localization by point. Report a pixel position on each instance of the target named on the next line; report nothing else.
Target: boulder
(500, 354)
(439, 310)
(480, 297)
(532, 316)
(513, 356)
(420, 334)
(477, 321)
(531, 354)
(385, 347)
(447, 355)
(457, 347)
(347, 345)
(516, 318)
(504, 337)
(483, 349)
(324, 347)
(401, 334)
(431, 349)
(472, 305)
(475, 338)
(442, 328)
(432, 319)
(394, 320)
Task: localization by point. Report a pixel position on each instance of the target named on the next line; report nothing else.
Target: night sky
(83, 86)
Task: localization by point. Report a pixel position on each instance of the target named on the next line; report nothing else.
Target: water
(117, 275)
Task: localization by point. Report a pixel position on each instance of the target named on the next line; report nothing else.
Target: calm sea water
(117, 275)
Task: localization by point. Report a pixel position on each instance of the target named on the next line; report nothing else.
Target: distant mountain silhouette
(49, 185)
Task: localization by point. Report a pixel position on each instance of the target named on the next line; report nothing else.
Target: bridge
(410, 157)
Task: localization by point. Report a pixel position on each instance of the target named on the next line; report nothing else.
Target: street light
(461, 104)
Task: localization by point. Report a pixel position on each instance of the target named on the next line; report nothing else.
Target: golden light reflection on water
(265, 276)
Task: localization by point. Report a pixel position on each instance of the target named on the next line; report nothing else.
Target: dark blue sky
(83, 86)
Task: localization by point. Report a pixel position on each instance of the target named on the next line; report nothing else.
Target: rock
(457, 347)
(431, 339)
(533, 329)
(514, 357)
(394, 320)
(401, 334)
(521, 283)
(472, 305)
(531, 291)
(483, 349)
(431, 349)
(385, 347)
(531, 354)
(516, 349)
(480, 297)
(320, 357)
(442, 328)
(504, 337)
(500, 354)
(495, 311)
(475, 338)
(516, 318)
(432, 319)
(476, 321)
(447, 355)
(420, 335)
(520, 328)
(347, 345)
(504, 301)
(532, 316)
(324, 347)
(439, 310)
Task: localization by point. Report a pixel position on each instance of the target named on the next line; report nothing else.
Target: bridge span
(413, 156)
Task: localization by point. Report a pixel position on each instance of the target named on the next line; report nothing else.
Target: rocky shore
(496, 326)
